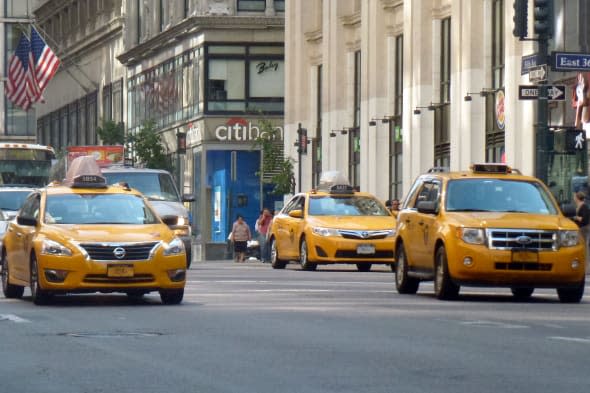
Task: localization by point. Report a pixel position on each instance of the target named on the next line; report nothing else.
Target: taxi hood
(111, 233)
(511, 220)
(353, 222)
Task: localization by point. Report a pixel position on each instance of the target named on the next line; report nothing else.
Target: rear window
(498, 195)
(345, 206)
(155, 186)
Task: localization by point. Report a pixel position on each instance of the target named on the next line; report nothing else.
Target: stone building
(388, 89)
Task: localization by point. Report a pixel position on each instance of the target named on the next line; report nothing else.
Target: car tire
(571, 295)
(304, 258)
(444, 287)
(171, 296)
(10, 291)
(39, 295)
(275, 261)
(403, 283)
(522, 293)
(363, 267)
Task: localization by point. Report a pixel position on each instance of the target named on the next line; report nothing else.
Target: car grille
(355, 234)
(131, 251)
(524, 266)
(526, 239)
(353, 255)
(104, 279)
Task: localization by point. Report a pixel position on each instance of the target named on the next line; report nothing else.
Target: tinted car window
(12, 200)
(155, 186)
(498, 195)
(345, 206)
(98, 209)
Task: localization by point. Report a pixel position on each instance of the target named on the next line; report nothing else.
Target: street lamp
(482, 93)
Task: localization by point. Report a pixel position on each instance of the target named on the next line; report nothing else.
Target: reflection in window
(345, 206)
(251, 5)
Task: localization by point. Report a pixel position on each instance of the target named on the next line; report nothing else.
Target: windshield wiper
(470, 210)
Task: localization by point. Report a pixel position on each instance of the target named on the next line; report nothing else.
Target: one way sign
(531, 92)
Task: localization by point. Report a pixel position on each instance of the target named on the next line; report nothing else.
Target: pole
(299, 132)
(542, 132)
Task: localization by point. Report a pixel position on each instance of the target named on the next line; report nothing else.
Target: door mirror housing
(296, 213)
(29, 221)
(428, 207)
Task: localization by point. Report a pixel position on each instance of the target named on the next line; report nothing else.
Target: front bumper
(332, 249)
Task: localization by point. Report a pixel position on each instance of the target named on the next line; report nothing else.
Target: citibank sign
(239, 129)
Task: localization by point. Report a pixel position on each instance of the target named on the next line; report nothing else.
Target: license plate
(365, 249)
(120, 271)
(525, 256)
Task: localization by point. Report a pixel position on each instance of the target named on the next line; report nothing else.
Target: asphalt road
(249, 328)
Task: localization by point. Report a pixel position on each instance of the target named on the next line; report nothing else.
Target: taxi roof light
(84, 172)
(490, 168)
(335, 182)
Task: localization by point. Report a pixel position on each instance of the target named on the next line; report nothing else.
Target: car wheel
(10, 291)
(275, 261)
(522, 293)
(303, 257)
(39, 296)
(403, 283)
(444, 287)
(363, 267)
(571, 295)
(171, 296)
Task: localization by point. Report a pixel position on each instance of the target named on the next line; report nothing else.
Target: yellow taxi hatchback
(84, 236)
(487, 227)
(333, 224)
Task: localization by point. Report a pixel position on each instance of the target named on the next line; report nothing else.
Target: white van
(158, 187)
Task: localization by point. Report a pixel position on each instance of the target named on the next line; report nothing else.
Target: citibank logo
(239, 129)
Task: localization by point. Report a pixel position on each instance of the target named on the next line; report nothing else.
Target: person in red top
(262, 226)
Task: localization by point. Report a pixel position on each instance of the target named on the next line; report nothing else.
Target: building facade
(208, 73)
(389, 89)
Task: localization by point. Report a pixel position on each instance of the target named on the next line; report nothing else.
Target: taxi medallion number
(120, 270)
(365, 249)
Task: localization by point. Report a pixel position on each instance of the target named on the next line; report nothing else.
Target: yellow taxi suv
(83, 236)
(333, 224)
(489, 226)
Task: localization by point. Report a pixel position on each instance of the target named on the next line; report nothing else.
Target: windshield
(352, 205)
(98, 209)
(25, 173)
(498, 195)
(155, 186)
(13, 200)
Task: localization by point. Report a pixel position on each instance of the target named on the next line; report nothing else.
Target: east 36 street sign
(570, 61)
(531, 92)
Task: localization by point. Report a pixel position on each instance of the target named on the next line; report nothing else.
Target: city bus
(25, 164)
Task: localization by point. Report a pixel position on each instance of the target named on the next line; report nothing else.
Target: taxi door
(422, 228)
(283, 228)
(294, 223)
(22, 238)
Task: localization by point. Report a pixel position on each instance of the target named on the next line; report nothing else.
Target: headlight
(50, 247)
(472, 235)
(568, 238)
(325, 231)
(175, 247)
(182, 221)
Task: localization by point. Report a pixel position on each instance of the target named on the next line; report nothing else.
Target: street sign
(531, 92)
(529, 61)
(538, 73)
(570, 61)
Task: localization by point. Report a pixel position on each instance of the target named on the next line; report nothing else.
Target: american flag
(21, 87)
(46, 62)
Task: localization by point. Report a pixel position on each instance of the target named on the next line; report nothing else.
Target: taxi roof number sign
(84, 172)
(491, 168)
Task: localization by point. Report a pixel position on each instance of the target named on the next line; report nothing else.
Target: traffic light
(520, 18)
(544, 18)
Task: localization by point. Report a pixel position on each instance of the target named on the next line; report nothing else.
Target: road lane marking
(493, 324)
(571, 339)
(13, 318)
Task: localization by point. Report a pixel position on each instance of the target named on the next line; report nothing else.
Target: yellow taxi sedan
(333, 224)
(84, 236)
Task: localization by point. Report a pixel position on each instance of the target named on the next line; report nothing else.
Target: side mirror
(170, 220)
(428, 207)
(296, 213)
(188, 198)
(568, 210)
(29, 221)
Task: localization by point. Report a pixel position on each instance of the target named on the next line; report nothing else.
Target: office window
(140, 21)
(442, 111)
(354, 137)
(317, 142)
(280, 5)
(395, 125)
(251, 5)
(495, 135)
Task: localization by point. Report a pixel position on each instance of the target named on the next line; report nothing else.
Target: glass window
(266, 78)
(317, 142)
(251, 5)
(442, 114)
(346, 206)
(495, 134)
(18, 8)
(280, 5)
(354, 138)
(155, 186)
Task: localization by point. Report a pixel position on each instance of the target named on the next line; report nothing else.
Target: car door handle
(18, 234)
(421, 223)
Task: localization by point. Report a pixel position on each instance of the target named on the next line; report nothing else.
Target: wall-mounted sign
(570, 61)
(500, 115)
(241, 130)
(531, 92)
